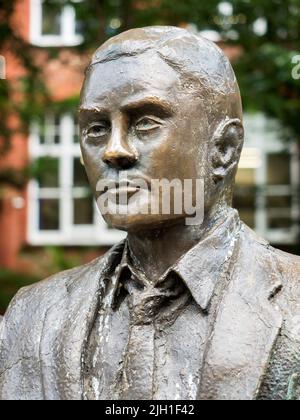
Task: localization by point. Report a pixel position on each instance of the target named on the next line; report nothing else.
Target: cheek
(93, 164)
(170, 160)
(179, 155)
(195, 142)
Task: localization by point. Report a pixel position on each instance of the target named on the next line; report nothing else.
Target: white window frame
(69, 234)
(262, 140)
(68, 36)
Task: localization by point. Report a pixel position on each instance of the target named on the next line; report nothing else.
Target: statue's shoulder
(283, 271)
(40, 296)
(30, 304)
(23, 326)
(287, 263)
(289, 267)
(278, 263)
(55, 285)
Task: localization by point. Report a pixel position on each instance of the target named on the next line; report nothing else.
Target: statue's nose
(118, 154)
(119, 158)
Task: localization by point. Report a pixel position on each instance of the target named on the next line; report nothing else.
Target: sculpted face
(144, 116)
(138, 121)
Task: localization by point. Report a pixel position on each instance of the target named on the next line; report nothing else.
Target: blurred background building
(48, 220)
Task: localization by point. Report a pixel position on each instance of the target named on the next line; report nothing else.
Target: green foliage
(11, 282)
(45, 171)
(266, 83)
(264, 70)
(60, 261)
(13, 177)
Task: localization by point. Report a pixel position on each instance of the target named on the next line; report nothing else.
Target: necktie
(151, 308)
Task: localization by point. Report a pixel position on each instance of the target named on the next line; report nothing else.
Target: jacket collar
(201, 267)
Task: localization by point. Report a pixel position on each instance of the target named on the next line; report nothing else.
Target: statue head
(161, 103)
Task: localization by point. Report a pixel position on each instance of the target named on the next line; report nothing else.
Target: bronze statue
(177, 310)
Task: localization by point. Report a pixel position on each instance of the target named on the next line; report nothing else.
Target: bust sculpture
(203, 310)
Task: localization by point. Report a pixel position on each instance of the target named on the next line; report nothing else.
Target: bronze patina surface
(176, 311)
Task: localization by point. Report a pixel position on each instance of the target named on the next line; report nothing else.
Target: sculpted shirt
(148, 338)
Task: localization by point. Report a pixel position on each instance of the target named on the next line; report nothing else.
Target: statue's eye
(147, 124)
(99, 129)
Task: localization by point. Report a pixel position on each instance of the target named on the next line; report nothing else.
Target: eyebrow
(151, 103)
(92, 110)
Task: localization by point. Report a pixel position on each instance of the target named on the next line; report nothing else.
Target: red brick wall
(12, 220)
(63, 77)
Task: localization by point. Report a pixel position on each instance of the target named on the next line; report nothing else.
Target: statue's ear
(226, 149)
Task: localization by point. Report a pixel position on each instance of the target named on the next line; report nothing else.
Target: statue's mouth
(125, 186)
(124, 190)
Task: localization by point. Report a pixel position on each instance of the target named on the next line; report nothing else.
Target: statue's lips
(128, 191)
(125, 187)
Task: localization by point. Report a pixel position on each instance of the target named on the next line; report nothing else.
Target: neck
(155, 251)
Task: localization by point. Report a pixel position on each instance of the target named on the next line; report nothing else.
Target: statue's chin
(140, 222)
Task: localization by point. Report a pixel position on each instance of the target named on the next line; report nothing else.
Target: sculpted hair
(200, 63)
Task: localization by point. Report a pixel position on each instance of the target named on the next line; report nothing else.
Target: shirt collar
(201, 267)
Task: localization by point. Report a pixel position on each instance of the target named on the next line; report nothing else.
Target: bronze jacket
(253, 352)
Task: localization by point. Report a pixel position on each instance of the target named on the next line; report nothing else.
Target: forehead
(112, 82)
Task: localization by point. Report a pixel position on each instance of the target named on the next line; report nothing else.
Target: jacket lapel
(67, 326)
(245, 328)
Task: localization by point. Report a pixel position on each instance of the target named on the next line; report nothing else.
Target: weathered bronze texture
(176, 311)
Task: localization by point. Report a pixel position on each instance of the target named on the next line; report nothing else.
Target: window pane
(56, 127)
(42, 134)
(83, 211)
(79, 178)
(247, 216)
(41, 127)
(278, 172)
(279, 212)
(76, 130)
(49, 214)
(245, 176)
(49, 129)
(279, 218)
(47, 172)
(284, 201)
(51, 23)
(245, 195)
(78, 16)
